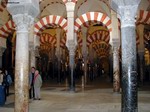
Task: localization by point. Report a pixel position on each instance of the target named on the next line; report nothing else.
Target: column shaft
(32, 58)
(70, 6)
(141, 59)
(129, 70)
(116, 70)
(72, 84)
(21, 72)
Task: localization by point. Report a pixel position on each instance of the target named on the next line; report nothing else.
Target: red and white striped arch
(146, 37)
(143, 17)
(7, 29)
(94, 17)
(79, 38)
(102, 35)
(50, 20)
(137, 39)
(47, 38)
(63, 41)
(104, 1)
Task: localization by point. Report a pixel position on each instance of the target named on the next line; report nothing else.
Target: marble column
(23, 14)
(127, 11)
(115, 45)
(116, 70)
(84, 53)
(111, 63)
(58, 33)
(72, 48)
(32, 57)
(141, 60)
(21, 62)
(71, 43)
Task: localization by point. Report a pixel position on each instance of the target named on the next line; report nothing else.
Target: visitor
(31, 84)
(37, 85)
(8, 81)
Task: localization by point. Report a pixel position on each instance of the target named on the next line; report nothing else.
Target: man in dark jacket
(31, 84)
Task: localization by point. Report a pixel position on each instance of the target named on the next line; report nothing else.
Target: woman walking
(37, 85)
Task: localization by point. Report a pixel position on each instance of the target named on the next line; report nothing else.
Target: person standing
(8, 81)
(37, 85)
(31, 84)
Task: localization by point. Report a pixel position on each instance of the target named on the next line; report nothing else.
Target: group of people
(35, 83)
(5, 82)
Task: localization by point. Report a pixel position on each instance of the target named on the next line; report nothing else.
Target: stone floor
(92, 99)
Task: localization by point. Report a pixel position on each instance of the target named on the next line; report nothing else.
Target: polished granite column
(116, 70)
(127, 10)
(23, 14)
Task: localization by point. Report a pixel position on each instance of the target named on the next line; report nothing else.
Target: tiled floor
(56, 99)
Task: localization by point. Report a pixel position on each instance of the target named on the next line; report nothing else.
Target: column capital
(71, 47)
(141, 54)
(31, 46)
(29, 7)
(70, 6)
(127, 15)
(116, 42)
(22, 22)
(127, 11)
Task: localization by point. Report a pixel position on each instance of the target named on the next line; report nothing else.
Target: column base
(72, 90)
(127, 109)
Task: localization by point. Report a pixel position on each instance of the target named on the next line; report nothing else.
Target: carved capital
(30, 7)
(116, 42)
(71, 47)
(31, 46)
(127, 15)
(23, 22)
(37, 52)
(116, 50)
(70, 6)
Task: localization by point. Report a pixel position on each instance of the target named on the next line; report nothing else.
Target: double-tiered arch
(52, 20)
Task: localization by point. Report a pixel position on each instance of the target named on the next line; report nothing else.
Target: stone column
(2, 49)
(116, 70)
(23, 13)
(84, 52)
(71, 43)
(71, 47)
(111, 63)
(141, 60)
(116, 45)
(127, 11)
(32, 57)
(58, 31)
(21, 64)
(1, 54)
